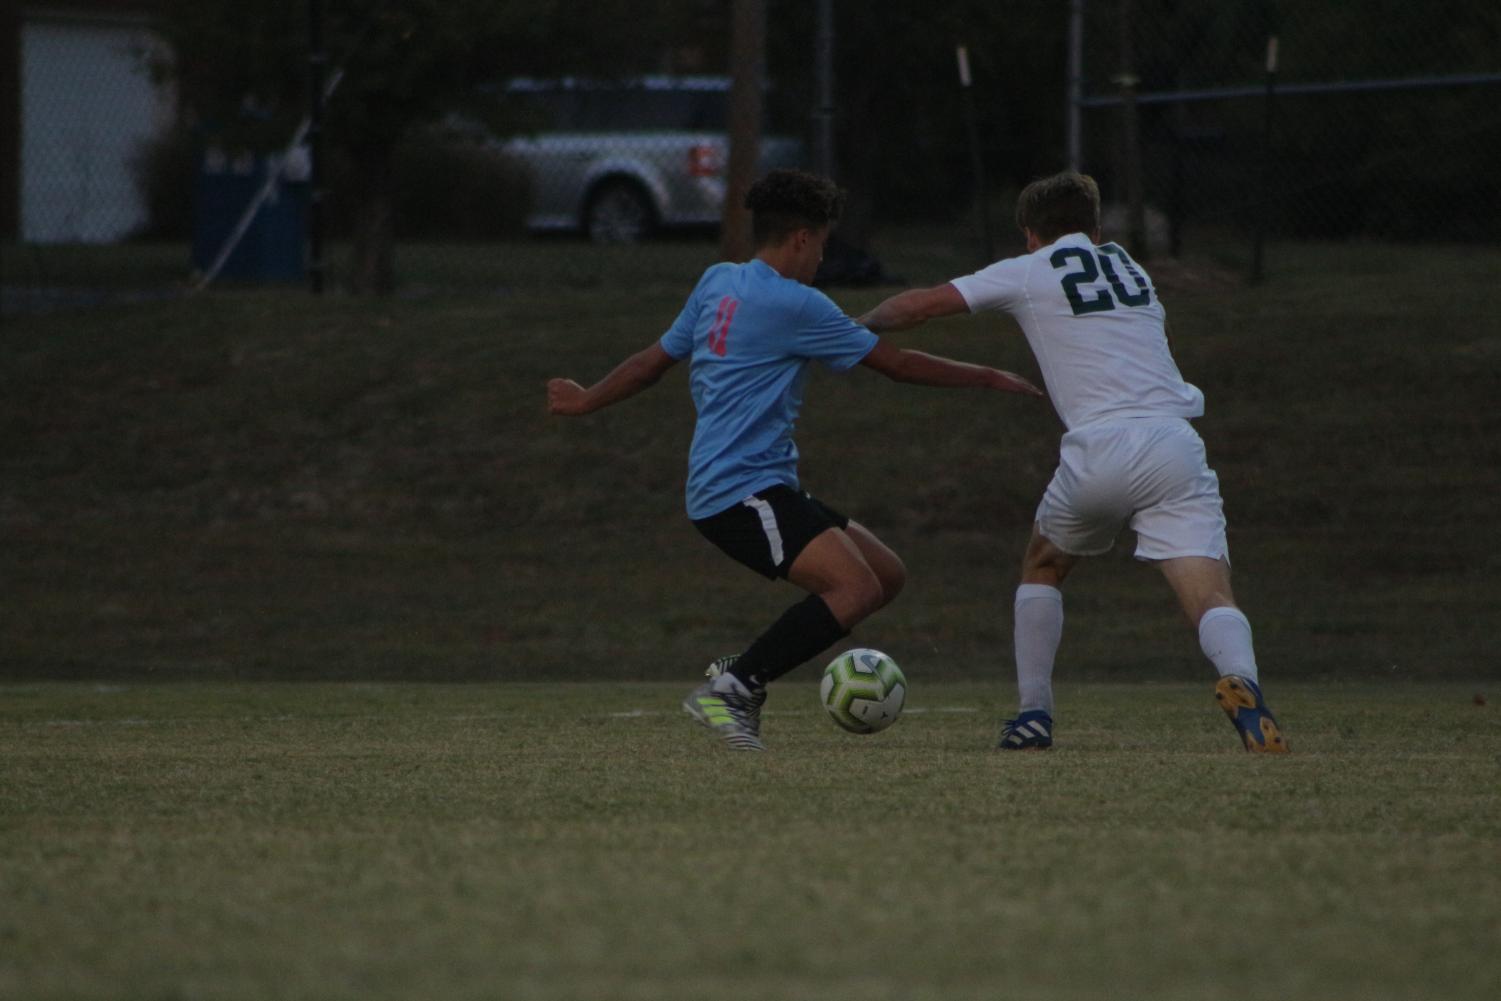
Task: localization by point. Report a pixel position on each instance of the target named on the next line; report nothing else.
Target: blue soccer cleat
(1241, 699)
(1030, 731)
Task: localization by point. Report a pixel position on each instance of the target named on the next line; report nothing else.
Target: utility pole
(747, 74)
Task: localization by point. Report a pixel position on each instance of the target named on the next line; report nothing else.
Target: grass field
(254, 487)
(554, 841)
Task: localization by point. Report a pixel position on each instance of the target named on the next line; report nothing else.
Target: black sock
(804, 630)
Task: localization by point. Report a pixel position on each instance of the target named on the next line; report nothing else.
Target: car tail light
(705, 160)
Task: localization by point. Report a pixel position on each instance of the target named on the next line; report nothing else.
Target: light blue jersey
(751, 334)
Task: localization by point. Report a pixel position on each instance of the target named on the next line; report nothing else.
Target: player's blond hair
(1056, 206)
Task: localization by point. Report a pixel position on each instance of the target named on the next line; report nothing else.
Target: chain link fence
(1377, 121)
(1251, 121)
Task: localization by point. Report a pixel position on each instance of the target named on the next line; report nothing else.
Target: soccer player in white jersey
(750, 332)
(1129, 454)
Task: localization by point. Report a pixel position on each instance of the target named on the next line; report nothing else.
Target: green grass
(260, 484)
(586, 841)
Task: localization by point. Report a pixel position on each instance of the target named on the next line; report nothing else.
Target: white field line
(459, 718)
(182, 720)
(919, 710)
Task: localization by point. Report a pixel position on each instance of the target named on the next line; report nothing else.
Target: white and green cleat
(721, 665)
(730, 710)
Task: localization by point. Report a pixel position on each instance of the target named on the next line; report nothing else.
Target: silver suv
(621, 159)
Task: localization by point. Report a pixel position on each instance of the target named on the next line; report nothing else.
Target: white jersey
(1096, 326)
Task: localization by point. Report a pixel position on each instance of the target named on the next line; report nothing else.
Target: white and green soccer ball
(863, 690)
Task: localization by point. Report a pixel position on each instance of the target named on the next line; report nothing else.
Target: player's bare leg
(1200, 583)
(833, 567)
(1044, 563)
(1203, 589)
(1038, 631)
(888, 566)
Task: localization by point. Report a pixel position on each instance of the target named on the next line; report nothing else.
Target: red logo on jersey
(719, 334)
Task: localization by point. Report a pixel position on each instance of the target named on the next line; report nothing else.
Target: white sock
(1225, 638)
(1039, 627)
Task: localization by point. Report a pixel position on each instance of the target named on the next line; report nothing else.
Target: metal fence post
(317, 64)
(823, 113)
(1264, 181)
(1136, 229)
(1074, 103)
(977, 164)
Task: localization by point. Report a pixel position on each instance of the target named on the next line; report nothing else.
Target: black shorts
(768, 529)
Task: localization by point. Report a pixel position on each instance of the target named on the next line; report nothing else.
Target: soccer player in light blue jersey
(750, 332)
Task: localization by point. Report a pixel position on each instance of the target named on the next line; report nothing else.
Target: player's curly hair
(785, 201)
(1056, 206)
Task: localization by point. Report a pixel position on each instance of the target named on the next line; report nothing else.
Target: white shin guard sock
(1039, 627)
(1225, 638)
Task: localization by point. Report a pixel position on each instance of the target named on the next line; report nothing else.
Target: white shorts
(1148, 472)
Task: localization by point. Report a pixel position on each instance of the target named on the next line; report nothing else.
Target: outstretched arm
(922, 369)
(914, 307)
(640, 370)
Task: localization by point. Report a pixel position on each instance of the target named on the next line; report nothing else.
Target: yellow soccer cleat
(1241, 699)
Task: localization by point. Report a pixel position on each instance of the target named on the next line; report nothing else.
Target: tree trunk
(372, 269)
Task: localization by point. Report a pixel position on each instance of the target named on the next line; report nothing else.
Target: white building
(79, 105)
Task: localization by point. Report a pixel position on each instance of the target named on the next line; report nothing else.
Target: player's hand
(1010, 382)
(565, 398)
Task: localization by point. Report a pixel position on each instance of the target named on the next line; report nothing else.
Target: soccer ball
(863, 690)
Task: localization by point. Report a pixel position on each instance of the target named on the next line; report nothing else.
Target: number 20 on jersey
(1086, 267)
